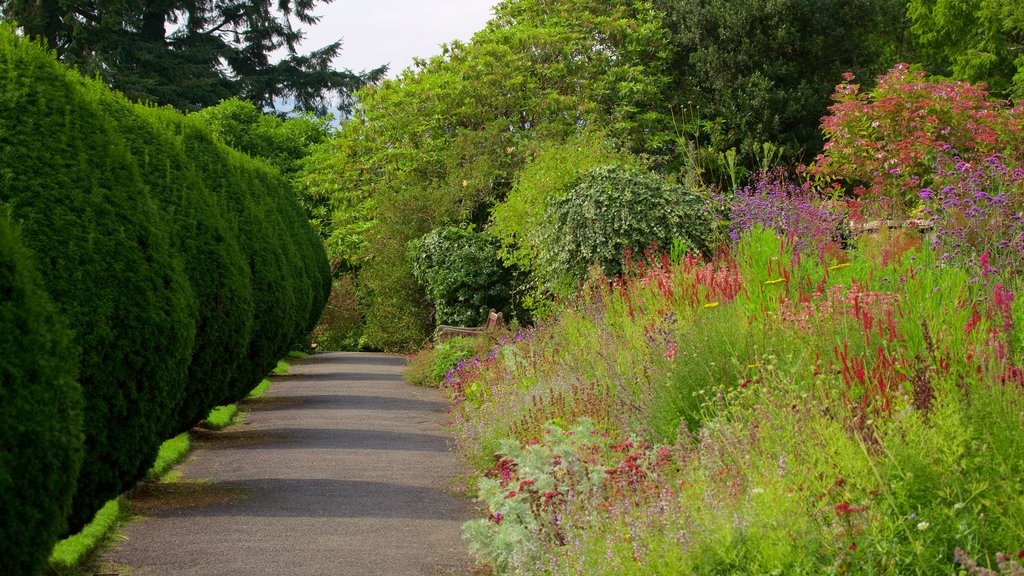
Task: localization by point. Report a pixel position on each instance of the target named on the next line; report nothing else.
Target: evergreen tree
(193, 53)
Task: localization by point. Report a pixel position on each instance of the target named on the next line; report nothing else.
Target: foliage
(462, 275)
(183, 268)
(614, 211)
(888, 138)
(40, 411)
(341, 323)
(973, 41)
(106, 260)
(976, 213)
(768, 412)
(213, 262)
(442, 142)
(193, 55)
(774, 202)
(433, 363)
(530, 488)
(284, 143)
(553, 170)
(752, 71)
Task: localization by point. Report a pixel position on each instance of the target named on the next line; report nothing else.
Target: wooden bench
(494, 322)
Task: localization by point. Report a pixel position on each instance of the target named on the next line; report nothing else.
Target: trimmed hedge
(184, 269)
(104, 251)
(40, 412)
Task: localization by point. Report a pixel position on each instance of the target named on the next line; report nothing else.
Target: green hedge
(105, 254)
(40, 412)
(183, 268)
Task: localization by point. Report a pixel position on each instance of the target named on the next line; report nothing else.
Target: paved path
(341, 470)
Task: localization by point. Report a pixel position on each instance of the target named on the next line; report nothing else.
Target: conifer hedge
(40, 412)
(183, 269)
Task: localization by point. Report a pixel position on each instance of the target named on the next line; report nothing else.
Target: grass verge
(69, 554)
(220, 417)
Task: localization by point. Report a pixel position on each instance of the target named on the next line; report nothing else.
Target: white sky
(376, 32)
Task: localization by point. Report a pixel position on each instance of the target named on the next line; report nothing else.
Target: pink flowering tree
(885, 141)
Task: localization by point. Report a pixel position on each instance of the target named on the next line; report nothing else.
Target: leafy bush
(284, 143)
(185, 269)
(340, 325)
(529, 490)
(40, 412)
(518, 221)
(462, 274)
(972, 40)
(431, 365)
(214, 262)
(614, 210)
(887, 139)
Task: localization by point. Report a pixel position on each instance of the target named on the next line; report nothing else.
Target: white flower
(923, 525)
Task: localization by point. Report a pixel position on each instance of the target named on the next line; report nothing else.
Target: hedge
(40, 412)
(184, 269)
(214, 262)
(105, 255)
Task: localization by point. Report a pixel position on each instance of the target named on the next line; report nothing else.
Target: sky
(376, 32)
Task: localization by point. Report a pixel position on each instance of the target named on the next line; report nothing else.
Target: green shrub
(40, 412)
(462, 274)
(431, 364)
(519, 220)
(417, 368)
(214, 262)
(614, 209)
(756, 71)
(104, 249)
(283, 259)
(340, 325)
(448, 353)
(184, 268)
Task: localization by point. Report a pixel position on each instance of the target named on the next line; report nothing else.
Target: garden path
(341, 469)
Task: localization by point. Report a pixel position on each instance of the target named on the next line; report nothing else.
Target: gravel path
(342, 469)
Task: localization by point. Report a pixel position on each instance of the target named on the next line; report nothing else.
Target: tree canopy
(193, 53)
(443, 142)
(974, 40)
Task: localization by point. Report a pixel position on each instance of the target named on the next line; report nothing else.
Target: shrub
(462, 275)
(887, 139)
(216, 268)
(104, 250)
(762, 70)
(614, 210)
(975, 210)
(247, 198)
(972, 40)
(774, 202)
(340, 325)
(160, 247)
(519, 220)
(40, 412)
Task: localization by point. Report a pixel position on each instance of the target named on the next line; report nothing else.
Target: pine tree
(193, 53)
